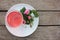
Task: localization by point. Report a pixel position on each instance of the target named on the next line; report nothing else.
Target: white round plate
(23, 30)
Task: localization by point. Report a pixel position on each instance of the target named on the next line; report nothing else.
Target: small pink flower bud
(26, 12)
(29, 17)
(24, 21)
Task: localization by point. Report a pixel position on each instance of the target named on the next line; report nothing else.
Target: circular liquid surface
(14, 19)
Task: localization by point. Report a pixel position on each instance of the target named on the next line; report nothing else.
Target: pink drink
(15, 19)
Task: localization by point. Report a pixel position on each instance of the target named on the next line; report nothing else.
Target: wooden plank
(58, 34)
(49, 18)
(45, 18)
(2, 18)
(40, 4)
(42, 33)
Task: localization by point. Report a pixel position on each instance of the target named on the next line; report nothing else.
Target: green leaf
(31, 20)
(22, 10)
(24, 16)
(35, 13)
(27, 22)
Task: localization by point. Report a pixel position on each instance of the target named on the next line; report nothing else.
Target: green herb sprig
(26, 16)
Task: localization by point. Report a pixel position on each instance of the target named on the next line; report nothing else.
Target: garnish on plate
(28, 18)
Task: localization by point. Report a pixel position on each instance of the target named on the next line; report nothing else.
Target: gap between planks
(37, 10)
(41, 25)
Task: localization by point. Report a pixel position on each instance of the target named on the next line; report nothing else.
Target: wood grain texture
(49, 18)
(42, 33)
(45, 18)
(38, 4)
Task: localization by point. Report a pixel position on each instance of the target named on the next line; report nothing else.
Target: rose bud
(24, 21)
(26, 11)
(29, 17)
